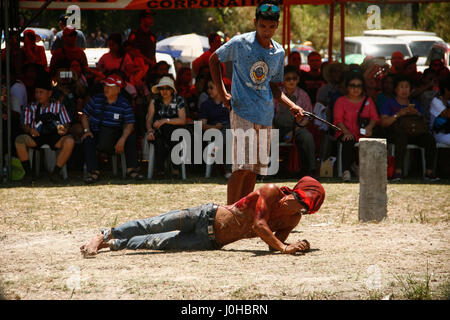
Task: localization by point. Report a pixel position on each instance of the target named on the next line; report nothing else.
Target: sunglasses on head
(265, 7)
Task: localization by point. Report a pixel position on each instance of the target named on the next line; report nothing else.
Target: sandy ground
(348, 260)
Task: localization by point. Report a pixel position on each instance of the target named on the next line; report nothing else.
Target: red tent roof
(182, 4)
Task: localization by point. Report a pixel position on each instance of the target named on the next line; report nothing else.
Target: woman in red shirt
(346, 111)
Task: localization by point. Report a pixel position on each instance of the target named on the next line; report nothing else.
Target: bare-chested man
(269, 212)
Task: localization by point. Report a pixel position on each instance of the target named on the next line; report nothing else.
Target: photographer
(44, 121)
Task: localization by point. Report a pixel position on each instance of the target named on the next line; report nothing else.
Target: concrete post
(372, 179)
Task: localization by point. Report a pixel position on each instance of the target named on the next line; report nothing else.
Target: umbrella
(354, 58)
(190, 45)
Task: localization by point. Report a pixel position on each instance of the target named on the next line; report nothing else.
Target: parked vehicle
(420, 42)
(376, 46)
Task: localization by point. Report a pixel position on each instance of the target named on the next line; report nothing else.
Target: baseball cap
(113, 80)
(69, 30)
(43, 81)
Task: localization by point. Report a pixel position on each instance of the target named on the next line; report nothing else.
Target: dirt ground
(404, 257)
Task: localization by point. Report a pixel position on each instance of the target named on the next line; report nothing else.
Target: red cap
(309, 191)
(68, 30)
(113, 80)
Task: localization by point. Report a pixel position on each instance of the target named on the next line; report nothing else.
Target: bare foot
(91, 248)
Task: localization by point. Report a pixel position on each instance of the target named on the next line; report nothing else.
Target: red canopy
(182, 4)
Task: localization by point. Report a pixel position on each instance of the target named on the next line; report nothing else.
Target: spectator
(214, 115)
(159, 70)
(64, 56)
(90, 41)
(394, 109)
(58, 42)
(440, 113)
(285, 122)
(45, 121)
(397, 62)
(166, 112)
(215, 41)
(437, 65)
(313, 79)
(387, 90)
(99, 41)
(108, 124)
(31, 52)
(184, 83)
(143, 39)
(117, 60)
(346, 111)
(410, 71)
(295, 59)
(71, 91)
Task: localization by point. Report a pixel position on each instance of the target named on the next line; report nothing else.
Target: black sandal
(137, 176)
(92, 177)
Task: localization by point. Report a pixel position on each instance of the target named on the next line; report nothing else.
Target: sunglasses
(265, 7)
(165, 88)
(356, 86)
(290, 79)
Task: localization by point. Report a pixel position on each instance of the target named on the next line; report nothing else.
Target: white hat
(164, 81)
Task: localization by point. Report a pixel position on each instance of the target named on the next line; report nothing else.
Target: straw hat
(164, 81)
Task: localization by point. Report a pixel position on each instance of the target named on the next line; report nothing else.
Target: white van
(420, 42)
(376, 46)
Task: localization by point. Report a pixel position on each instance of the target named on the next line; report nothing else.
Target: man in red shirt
(214, 43)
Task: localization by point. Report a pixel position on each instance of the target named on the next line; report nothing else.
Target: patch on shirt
(258, 72)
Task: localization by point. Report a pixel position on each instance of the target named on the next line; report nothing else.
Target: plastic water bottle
(39, 126)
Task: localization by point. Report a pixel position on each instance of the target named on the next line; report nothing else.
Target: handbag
(363, 122)
(413, 125)
(107, 136)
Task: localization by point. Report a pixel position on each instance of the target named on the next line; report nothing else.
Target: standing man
(312, 80)
(143, 39)
(257, 70)
(58, 41)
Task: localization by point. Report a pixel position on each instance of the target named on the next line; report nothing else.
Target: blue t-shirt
(254, 67)
(391, 107)
(214, 113)
(115, 115)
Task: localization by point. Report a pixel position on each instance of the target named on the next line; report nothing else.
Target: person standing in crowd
(33, 53)
(117, 59)
(58, 42)
(215, 41)
(143, 38)
(346, 111)
(397, 62)
(285, 122)
(45, 121)
(257, 70)
(313, 79)
(63, 57)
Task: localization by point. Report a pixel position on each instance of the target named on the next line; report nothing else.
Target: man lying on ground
(269, 212)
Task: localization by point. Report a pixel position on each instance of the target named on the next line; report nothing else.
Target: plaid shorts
(251, 145)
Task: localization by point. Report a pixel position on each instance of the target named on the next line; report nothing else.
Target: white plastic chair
(50, 160)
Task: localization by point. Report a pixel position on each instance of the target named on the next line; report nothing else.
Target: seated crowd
(130, 101)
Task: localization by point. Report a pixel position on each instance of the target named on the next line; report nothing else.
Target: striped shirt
(115, 115)
(55, 107)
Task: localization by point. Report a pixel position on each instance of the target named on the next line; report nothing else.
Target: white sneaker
(346, 176)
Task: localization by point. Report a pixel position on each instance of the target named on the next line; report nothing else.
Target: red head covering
(309, 191)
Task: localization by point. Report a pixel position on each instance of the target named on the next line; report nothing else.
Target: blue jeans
(186, 229)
